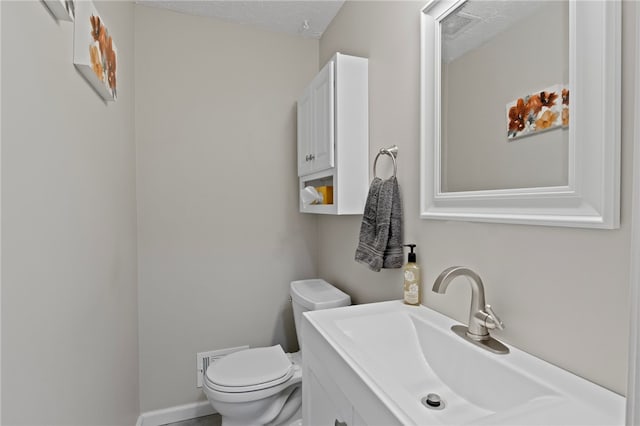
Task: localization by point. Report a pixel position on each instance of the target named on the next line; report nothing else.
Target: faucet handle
(495, 319)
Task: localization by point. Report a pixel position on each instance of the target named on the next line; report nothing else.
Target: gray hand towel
(393, 254)
(382, 208)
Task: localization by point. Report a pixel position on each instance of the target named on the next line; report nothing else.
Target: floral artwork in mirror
(540, 111)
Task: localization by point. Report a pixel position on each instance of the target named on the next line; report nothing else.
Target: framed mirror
(520, 112)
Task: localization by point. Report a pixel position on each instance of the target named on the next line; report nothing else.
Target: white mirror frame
(592, 197)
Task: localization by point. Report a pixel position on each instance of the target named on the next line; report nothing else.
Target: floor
(212, 420)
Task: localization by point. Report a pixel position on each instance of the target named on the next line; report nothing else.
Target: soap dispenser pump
(412, 287)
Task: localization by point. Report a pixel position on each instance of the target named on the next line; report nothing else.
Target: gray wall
(69, 302)
(220, 236)
(558, 290)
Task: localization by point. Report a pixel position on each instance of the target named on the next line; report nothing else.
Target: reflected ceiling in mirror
(494, 53)
(498, 140)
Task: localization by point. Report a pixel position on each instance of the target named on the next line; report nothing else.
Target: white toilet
(262, 386)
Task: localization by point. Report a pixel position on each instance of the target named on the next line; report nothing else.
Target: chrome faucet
(481, 316)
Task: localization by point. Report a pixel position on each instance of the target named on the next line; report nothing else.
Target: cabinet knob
(339, 423)
(312, 157)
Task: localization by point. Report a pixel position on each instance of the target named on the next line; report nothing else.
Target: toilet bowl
(263, 386)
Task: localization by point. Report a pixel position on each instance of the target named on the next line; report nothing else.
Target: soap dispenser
(412, 287)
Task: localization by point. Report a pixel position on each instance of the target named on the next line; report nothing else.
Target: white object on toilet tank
(313, 295)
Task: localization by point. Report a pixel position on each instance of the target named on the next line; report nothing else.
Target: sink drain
(433, 402)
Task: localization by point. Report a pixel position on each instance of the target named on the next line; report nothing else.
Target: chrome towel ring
(392, 152)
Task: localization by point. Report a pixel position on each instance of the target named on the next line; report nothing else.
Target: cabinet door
(305, 133)
(321, 410)
(322, 88)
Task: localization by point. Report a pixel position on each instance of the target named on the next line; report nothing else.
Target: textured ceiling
(477, 21)
(280, 16)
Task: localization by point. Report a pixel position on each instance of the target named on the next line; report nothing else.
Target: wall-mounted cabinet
(333, 135)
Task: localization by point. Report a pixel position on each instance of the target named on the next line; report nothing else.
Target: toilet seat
(250, 370)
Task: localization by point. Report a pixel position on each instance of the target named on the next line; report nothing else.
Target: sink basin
(406, 353)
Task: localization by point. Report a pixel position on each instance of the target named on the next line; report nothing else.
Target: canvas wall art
(540, 111)
(94, 51)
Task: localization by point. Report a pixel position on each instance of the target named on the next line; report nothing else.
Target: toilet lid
(250, 369)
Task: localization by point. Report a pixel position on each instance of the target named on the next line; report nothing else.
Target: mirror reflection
(505, 99)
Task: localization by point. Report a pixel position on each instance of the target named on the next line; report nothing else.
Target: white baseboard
(175, 414)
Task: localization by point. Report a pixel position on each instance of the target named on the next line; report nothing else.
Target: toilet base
(279, 410)
(291, 414)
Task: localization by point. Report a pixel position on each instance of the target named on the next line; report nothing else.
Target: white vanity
(374, 364)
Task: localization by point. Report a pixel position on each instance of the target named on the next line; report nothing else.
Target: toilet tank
(313, 295)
